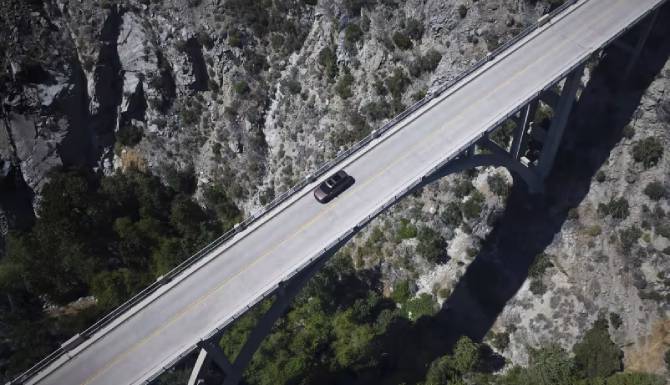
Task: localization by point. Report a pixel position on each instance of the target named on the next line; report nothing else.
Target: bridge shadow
(528, 224)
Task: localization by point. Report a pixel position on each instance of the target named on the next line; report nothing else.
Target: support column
(233, 371)
(640, 44)
(201, 362)
(521, 130)
(558, 123)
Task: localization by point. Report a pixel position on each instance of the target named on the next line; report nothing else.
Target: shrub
(472, 208)
(648, 151)
(615, 320)
(667, 359)
(328, 60)
(397, 83)
(462, 11)
(541, 263)
(235, 38)
(537, 287)
(377, 110)
(241, 87)
(628, 237)
(414, 29)
(423, 305)
(451, 215)
(463, 188)
(401, 292)
(655, 191)
(406, 230)
(500, 341)
(617, 208)
(129, 135)
(402, 41)
(498, 185)
(600, 176)
(352, 34)
(432, 245)
(596, 355)
(628, 132)
(343, 87)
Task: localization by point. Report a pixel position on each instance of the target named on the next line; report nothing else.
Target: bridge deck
(133, 349)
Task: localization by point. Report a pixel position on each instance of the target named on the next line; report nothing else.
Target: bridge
(276, 251)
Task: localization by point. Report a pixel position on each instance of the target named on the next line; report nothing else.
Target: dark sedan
(333, 186)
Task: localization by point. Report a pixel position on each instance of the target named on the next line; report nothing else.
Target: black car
(333, 186)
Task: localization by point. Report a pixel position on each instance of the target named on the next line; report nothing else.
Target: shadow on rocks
(529, 223)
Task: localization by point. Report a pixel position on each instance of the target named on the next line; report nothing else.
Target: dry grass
(132, 160)
(647, 354)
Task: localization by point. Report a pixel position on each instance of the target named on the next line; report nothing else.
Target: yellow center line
(332, 206)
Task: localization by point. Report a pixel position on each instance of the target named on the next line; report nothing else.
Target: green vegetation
(629, 237)
(498, 185)
(414, 29)
(617, 208)
(432, 245)
(328, 60)
(241, 87)
(473, 206)
(451, 215)
(463, 188)
(425, 63)
(406, 230)
(108, 238)
(397, 83)
(648, 151)
(615, 320)
(129, 135)
(596, 356)
(343, 86)
(422, 306)
(462, 11)
(536, 273)
(402, 41)
(352, 35)
(655, 190)
(666, 357)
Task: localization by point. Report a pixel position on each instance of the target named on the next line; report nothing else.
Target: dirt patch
(132, 160)
(647, 354)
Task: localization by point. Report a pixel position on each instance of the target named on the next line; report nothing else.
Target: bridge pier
(233, 370)
(516, 158)
(641, 41)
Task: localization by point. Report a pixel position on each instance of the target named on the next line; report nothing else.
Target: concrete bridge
(276, 251)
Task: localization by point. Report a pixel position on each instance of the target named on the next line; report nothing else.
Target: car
(333, 186)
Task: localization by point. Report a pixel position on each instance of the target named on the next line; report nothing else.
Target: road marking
(325, 210)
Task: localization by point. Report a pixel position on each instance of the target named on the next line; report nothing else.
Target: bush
(423, 305)
(667, 359)
(401, 292)
(432, 245)
(655, 191)
(500, 341)
(537, 287)
(328, 60)
(648, 151)
(596, 355)
(414, 29)
(406, 230)
(397, 83)
(615, 320)
(402, 41)
(425, 63)
(617, 208)
(629, 237)
(352, 34)
(541, 263)
(601, 176)
(498, 185)
(628, 132)
(451, 215)
(343, 87)
(129, 135)
(462, 11)
(463, 188)
(241, 87)
(472, 208)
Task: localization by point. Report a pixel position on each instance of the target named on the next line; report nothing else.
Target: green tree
(596, 355)
(432, 245)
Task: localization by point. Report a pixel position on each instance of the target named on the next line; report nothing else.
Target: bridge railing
(282, 198)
